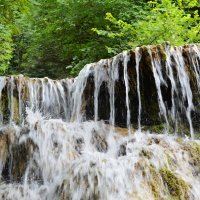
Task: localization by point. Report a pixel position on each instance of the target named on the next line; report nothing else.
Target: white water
(159, 80)
(113, 77)
(2, 85)
(126, 58)
(19, 88)
(173, 84)
(137, 60)
(185, 85)
(11, 99)
(100, 75)
(77, 161)
(194, 55)
(77, 91)
(72, 158)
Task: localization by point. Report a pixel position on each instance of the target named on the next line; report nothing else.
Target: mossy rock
(4, 104)
(169, 161)
(197, 136)
(155, 183)
(177, 187)
(193, 150)
(162, 52)
(145, 153)
(155, 128)
(16, 116)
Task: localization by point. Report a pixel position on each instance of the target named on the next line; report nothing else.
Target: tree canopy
(56, 38)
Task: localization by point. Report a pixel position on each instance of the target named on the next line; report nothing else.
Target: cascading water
(61, 139)
(159, 80)
(170, 75)
(185, 85)
(137, 60)
(2, 85)
(100, 75)
(126, 80)
(113, 77)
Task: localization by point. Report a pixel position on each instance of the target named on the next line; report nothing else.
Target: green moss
(193, 148)
(16, 116)
(154, 189)
(24, 90)
(3, 103)
(197, 136)
(147, 57)
(146, 153)
(176, 186)
(162, 52)
(179, 140)
(156, 128)
(168, 158)
(197, 147)
(4, 106)
(155, 183)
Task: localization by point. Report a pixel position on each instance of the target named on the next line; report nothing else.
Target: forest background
(56, 38)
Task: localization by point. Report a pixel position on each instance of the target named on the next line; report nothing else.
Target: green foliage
(59, 34)
(6, 48)
(9, 11)
(165, 21)
(169, 22)
(57, 38)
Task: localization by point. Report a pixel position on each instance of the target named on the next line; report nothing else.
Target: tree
(59, 34)
(56, 38)
(9, 11)
(166, 20)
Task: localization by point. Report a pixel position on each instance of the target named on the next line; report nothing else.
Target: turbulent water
(50, 148)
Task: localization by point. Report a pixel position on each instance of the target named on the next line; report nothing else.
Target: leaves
(9, 12)
(165, 21)
(43, 38)
(60, 30)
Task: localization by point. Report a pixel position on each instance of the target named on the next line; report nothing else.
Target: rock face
(168, 88)
(151, 86)
(76, 138)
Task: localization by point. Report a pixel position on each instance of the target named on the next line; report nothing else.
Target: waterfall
(126, 80)
(185, 85)
(100, 75)
(194, 54)
(170, 75)
(77, 91)
(159, 80)
(137, 58)
(113, 77)
(76, 138)
(2, 85)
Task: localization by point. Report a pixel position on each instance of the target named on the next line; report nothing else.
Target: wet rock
(17, 89)
(177, 187)
(17, 160)
(193, 151)
(24, 130)
(122, 150)
(7, 138)
(153, 140)
(4, 150)
(99, 141)
(146, 153)
(79, 142)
